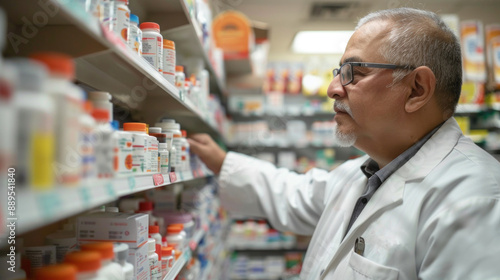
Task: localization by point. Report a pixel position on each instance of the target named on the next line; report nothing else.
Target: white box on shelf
(138, 257)
(114, 227)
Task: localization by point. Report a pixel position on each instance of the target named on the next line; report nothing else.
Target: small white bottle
(68, 100)
(152, 45)
(154, 232)
(104, 152)
(154, 264)
(64, 240)
(139, 146)
(167, 260)
(153, 154)
(164, 158)
(135, 35)
(122, 151)
(169, 61)
(108, 13)
(180, 78)
(175, 238)
(102, 100)
(121, 20)
(121, 255)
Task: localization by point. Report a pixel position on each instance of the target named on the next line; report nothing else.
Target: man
(422, 204)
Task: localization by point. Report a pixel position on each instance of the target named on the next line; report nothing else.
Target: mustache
(340, 106)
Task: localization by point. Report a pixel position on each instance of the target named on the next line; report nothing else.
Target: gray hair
(421, 38)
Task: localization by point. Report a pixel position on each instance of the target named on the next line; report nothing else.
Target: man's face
(374, 108)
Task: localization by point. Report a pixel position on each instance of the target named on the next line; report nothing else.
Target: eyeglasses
(346, 71)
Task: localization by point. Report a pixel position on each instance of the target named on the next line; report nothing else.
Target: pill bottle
(154, 232)
(101, 100)
(175, 238)
(169, 126)
(87, 143)
(122, 151)
(146, 207)
(35, 132)
(180, 78)
(153, 154)
(156, 132)
(169, 61)
(163, 158)
(121, 20)
(104, 150)
(68, 100)
(152, 45)
(87, 264)
(57, 272)
(135, 35)
(121, 255)
(108, 13)
(139, 146)
(109, 269)
(154, 264)
(167, 260)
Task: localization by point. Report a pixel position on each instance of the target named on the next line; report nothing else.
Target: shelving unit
(105, 63)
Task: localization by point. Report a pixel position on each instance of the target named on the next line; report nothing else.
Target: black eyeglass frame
(337, 71)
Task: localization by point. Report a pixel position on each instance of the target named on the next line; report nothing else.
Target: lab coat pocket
(363, 268)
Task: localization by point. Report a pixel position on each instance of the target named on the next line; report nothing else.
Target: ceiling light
(321, 42)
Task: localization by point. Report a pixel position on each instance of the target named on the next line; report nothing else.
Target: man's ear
(423, 84)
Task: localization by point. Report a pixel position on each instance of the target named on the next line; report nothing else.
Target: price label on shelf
(173, 177)
(131, 182)
(109, 189)
(158, 179)
(49, 204)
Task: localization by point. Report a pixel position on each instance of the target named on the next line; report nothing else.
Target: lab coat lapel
(389, 194)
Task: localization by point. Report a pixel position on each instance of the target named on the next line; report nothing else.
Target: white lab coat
(436, 217)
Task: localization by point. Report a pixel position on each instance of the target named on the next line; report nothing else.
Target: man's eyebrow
(351, 59)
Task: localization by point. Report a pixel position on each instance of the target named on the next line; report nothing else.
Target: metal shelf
(103, 62)
(37, 209)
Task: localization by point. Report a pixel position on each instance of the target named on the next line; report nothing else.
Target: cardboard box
(114, 227)
(139, 258)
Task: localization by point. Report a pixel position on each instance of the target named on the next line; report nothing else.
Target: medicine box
(114, 227)
(139, 258)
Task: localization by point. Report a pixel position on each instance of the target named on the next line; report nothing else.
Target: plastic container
(104, 150)
(180, 78)
(169, 125)
(57, 272)
(87, 143)
(152, 45)
(146, 207)
(163, 158)
(154, 232)
(135, 35)
(156, 132)
(121, 20)
(87, 264)
(108, 13)
(169, 61)
(35, 132)
(40, 256)
(175, 238)
(111, 209)
(68, 99)
(153, 154)
(139, 155)
(121, 254)
(154, 264)
(122, 152)
(64, 240)
(102, 100)
(109, 269)
(167, 260)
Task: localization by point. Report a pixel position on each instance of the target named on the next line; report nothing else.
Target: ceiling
(286, 17)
